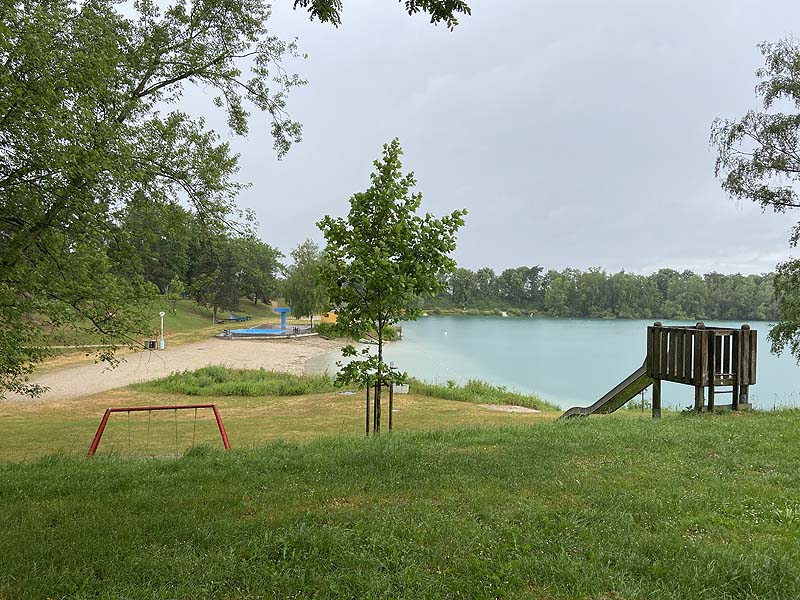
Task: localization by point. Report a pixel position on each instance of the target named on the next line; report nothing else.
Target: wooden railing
(703, 357)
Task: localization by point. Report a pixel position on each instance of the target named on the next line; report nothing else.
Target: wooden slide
(619, 395)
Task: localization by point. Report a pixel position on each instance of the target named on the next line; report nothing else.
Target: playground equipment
(129, 409)
(700, 356)
(282, 312)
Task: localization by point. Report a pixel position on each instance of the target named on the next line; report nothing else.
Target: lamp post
(161, 341)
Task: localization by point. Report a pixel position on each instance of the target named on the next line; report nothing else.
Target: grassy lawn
(190, 323)
(264, 407)
(607, 508)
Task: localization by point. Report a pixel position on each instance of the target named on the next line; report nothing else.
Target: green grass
(609, 508)
(222, 381)
(480, 392)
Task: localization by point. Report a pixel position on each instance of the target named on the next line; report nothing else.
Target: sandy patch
(288, 355)
(509, 408)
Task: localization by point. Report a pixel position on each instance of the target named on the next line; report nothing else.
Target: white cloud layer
(575, 132)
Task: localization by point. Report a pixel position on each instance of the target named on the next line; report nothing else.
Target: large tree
(758, 159)
(89, 122)
(380, 259)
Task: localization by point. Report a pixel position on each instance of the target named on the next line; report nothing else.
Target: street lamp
(161, 341)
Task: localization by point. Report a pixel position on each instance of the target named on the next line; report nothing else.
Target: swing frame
(129, 409)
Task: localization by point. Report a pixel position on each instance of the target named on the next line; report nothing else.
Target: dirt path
(277, 355)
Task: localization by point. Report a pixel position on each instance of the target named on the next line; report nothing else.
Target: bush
(329, 330)
(221, 381)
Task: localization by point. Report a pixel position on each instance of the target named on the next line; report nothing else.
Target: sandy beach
(288, 355)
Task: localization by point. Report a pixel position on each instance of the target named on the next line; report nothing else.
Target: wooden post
(701, 366)
(391, 404)
(748, 364)
(367, 406)
(657, 399)
(712, 368)
(736, 369)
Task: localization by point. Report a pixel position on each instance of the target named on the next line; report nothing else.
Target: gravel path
(277, 355)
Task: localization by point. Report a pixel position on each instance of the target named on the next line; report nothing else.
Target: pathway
(277, 355)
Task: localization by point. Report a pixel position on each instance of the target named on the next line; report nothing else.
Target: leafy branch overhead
(758, 155)
(758, 159)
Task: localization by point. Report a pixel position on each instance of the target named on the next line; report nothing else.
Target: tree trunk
(379, 384)
(214, 315)
(312, 321)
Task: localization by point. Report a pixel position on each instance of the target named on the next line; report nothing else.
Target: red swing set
(129, 409)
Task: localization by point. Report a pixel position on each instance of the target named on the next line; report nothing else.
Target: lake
(567, 362)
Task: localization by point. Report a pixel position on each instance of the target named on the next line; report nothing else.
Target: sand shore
(289, 356)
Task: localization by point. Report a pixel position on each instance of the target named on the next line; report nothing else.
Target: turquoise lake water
(565, 361)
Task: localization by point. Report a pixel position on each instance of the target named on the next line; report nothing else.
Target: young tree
(304, 290)
(758, 159)
(380, 258)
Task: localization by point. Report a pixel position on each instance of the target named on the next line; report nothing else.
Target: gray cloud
(575, 132)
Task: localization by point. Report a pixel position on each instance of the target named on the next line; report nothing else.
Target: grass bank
(222, 381)
(600, 508)
(480, 392)
(257, 407)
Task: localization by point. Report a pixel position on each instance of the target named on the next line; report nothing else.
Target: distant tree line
(665, 294)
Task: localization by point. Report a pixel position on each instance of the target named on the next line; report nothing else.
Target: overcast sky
(575, 132)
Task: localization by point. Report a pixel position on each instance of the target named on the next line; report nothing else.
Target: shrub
(221, 381)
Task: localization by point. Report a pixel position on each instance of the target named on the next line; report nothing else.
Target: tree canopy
(665, 294)
(758, 159)
(90, 125)
(303, 287)
(381, 258)
(440, 11)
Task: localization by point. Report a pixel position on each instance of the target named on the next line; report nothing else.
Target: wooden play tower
(700, 356)
(703, 357)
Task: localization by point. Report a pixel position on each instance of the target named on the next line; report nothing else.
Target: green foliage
(330, 330)
(224, 269)
(303, 290)
(222, 381)
(381, 258)
(758, 159)
(92, 137)
(618, 507)
(440, 11)
(786, 334)
(666, 294)
(757, 154)
(478, 392)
